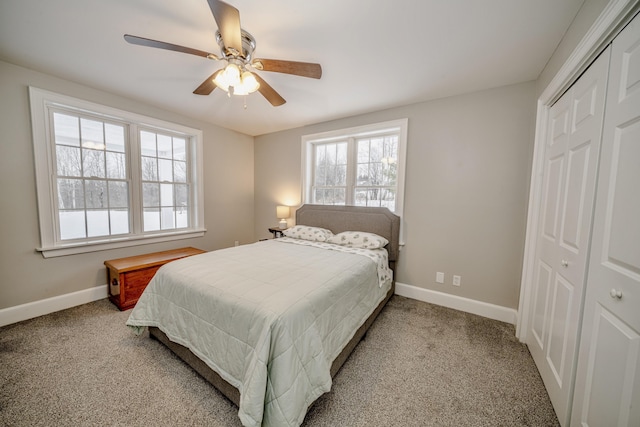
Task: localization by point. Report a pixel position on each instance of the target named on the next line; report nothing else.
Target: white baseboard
(39, 308)
(492, 311)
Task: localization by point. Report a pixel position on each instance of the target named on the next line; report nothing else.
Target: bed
(270, 324)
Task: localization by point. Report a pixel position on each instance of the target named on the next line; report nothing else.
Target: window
(361, 166)
(165, 191)
(108, 178)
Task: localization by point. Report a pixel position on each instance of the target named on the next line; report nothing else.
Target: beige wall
(467, 181)
(26, 275)
(583, 20)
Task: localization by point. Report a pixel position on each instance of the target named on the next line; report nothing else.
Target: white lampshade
(282, 213)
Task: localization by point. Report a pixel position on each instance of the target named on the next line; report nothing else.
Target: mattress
(269, 318)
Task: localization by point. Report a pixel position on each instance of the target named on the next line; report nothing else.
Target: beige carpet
(420, 365)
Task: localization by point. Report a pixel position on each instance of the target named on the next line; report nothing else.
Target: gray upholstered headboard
(354, 218)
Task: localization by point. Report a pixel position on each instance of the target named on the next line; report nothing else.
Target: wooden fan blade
(141, 41)
(208, 85)
(268, 92)
(304, 69)
(228, 19)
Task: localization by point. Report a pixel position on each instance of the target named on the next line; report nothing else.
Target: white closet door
(607, 389)
(571, 160)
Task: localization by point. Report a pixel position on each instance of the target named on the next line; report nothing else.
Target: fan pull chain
(245, 102)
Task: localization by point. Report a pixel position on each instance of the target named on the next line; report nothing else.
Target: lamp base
(282, 224)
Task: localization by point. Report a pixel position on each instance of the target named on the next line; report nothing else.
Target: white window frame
(308, 141)
(50, 246)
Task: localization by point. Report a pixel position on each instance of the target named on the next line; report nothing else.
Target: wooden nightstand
(129, 276)
(277, 232)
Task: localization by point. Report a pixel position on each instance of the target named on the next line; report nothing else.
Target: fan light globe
(230, 80)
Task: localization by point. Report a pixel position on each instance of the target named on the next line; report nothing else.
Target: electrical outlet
(456, 280)
(236, 243)
(439, 277)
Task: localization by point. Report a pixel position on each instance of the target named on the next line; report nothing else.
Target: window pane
(166, 194)
(331, 155)
(149, 169)
(72, 225)
(390, 172)
(119, 221)
(68, 161)
(388, 199)
(92, 134)
(182, 195)
(363, 151)
(375, 150)
(320, 176)
(341, 175)
(182, 218)
(167, 218)
(385, 197)
(97, 223)
(180, 171)
(361, 197)
(164, 147)
(151, 219)
(165, 170)
(150, 195)
(95, 194)
(148, 143)
(114, 135)
(118, 195)
(342, 154)
(67, 131)
(375, 174)
(116, 166)
(70, 194)
(363, 175)
(334, 196)
(179, 149)
(374, 196)
(93, 163)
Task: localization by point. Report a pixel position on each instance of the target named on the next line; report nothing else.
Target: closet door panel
(561, 314)
(542, 281)
(623, 232)
(611, 372)
(551, 199)
(607, 387)
(571, 158)
(575, 203)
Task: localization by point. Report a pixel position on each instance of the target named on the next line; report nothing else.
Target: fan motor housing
(248, 46)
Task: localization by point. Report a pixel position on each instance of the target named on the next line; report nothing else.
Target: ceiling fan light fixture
(235, 81)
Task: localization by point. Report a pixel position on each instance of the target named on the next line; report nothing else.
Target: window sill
(103, 245)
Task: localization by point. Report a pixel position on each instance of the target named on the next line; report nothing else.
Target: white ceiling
(374, 55)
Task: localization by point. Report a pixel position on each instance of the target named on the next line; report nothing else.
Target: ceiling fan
(236, 47)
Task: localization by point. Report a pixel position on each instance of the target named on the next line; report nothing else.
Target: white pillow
(359, 239)
(306, 232)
